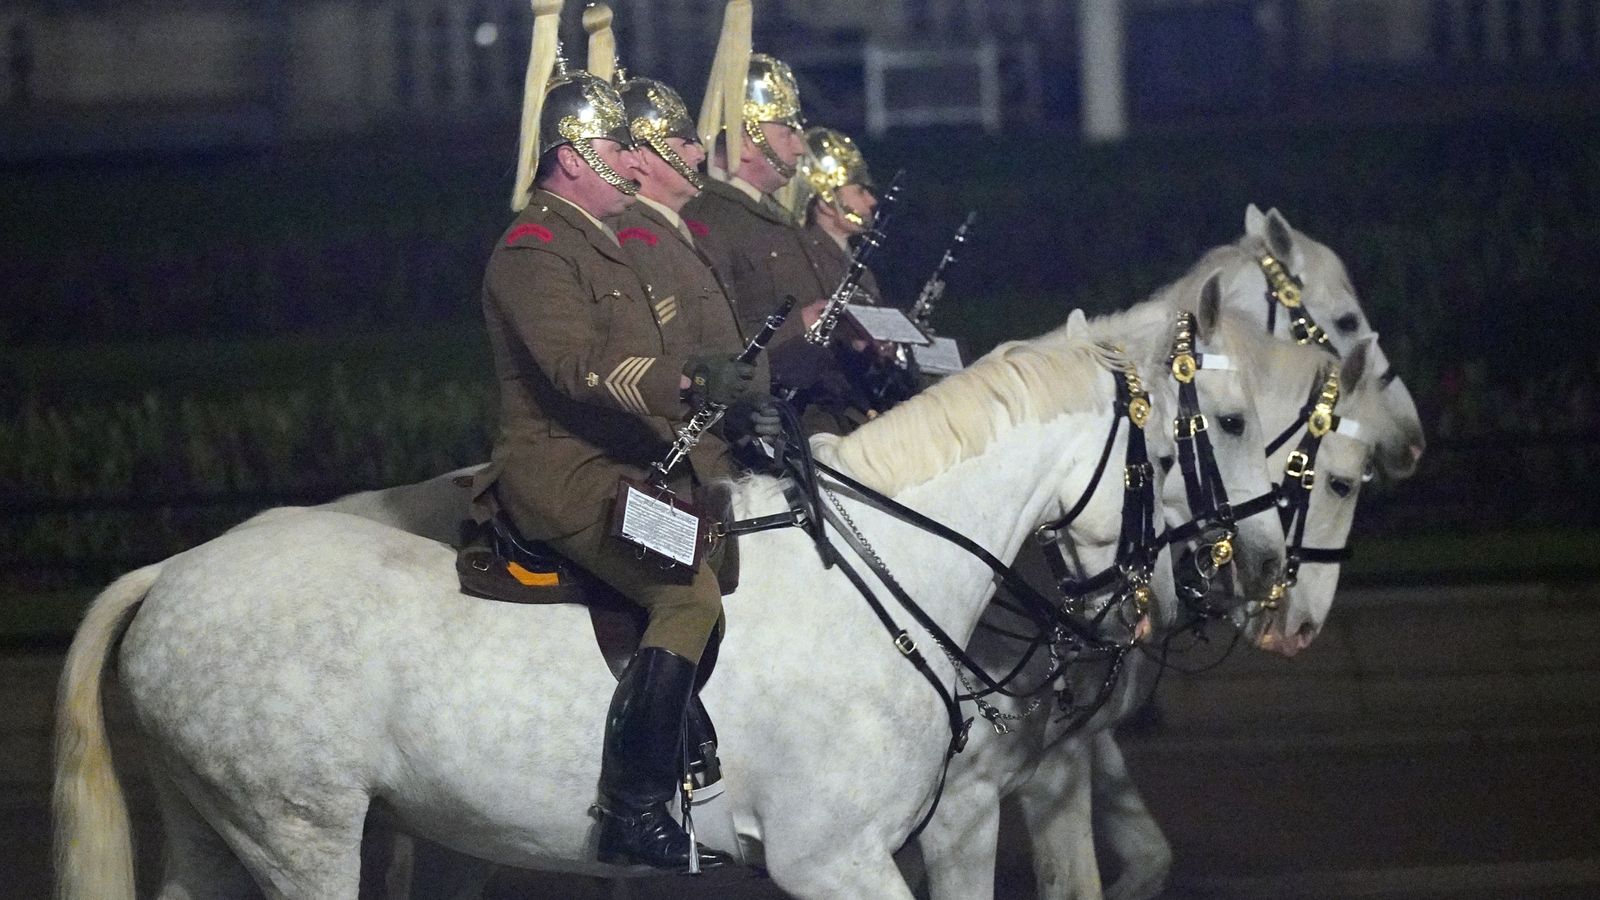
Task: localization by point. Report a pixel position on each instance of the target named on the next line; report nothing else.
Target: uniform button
(774, 254)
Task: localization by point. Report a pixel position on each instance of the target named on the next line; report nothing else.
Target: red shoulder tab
(697, 228)
(638, 233)
(521, 231)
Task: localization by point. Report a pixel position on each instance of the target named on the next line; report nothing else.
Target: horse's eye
(1233, 425)
(1340, 486)
(1347, 323)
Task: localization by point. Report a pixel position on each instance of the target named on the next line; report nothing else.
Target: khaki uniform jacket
(763, 255)
(683, 286)
(589, 388)
(833, 262)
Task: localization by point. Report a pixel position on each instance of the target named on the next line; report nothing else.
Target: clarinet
(933, 290)
(820, 332)
(708, 414)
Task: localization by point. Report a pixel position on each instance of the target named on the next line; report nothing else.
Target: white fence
(342, 65)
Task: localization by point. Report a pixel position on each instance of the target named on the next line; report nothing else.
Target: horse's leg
(294, 848)
(1131, 833)
(959, 844)
(197, 864)
(1055, 804)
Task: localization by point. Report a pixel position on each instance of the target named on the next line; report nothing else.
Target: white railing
(982, 107)
(1515, 30)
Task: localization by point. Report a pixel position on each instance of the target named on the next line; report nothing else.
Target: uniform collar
(603, 227)
(668, 214)
(746, 188)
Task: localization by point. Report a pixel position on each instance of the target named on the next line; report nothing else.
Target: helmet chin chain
(586, 150)
(759, 138)
(678, 163)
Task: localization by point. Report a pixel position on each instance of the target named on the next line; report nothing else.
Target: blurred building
(82, 75)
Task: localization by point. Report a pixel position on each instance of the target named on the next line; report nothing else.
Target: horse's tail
(94, 843)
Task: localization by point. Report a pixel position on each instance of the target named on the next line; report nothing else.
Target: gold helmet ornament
(563, 107)
(654, 111)
(832, 161)
(746, 89)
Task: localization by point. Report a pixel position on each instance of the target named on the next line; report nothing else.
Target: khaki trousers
(683, 607)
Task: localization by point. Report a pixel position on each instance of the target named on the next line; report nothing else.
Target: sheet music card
(886, 324)
(942, 357)
(658, 522)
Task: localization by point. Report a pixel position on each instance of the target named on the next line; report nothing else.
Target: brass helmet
(579, 108)
(832, 161)
(655, 112)
(770, 93)
(562, 107)
(748, 87)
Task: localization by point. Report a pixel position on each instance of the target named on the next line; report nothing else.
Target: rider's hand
(717, 379)
(752, 415)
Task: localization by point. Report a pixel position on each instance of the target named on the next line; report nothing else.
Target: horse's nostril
(1416, 453)
(1307, 630)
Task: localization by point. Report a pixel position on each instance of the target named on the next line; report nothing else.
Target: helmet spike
(602, 62)
(723, 110)
(544, 51)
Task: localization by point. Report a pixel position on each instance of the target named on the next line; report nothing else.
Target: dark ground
(1433, 744)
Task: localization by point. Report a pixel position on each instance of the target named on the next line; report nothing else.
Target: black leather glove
(752, 415)
(717, 379)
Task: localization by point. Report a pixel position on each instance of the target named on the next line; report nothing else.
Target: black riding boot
(643, 762)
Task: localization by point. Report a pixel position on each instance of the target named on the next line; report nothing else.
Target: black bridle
(1294, 495)
(1214, 526)
(1138, 544)
(1286, 289)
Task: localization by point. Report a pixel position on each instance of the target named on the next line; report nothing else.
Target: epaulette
(516, 234)
(638, 233)
(697, 228)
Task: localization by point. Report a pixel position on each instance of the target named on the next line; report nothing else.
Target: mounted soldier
(834, 198)
(751, 125)
(663, 247)
(593, 372)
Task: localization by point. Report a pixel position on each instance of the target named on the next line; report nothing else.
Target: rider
(835, 198)
(752, 240)
(588, 394)
(660, 244)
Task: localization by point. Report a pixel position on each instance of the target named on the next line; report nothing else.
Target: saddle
(495, 562)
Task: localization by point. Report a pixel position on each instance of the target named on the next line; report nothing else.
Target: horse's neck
(996, 499)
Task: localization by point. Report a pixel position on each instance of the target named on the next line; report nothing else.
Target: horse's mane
(957, 418)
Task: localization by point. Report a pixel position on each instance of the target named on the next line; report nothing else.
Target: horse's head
(1299, 289)
(1217, 493)
(1322, 467)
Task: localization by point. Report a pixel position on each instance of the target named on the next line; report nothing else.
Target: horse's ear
(1210, 311)
(1357, 364)
(1278, 235)
(1077, 324)
(1255, 221)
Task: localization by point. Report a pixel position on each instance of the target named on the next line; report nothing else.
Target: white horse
(1329, 301)
(289, 673)
(959, 845)
(1392, 442)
